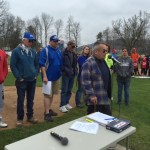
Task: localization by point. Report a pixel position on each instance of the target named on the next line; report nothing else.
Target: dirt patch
(9, 112)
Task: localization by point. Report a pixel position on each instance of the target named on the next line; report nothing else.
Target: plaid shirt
(93, 84)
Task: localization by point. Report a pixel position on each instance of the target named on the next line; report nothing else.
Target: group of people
(91, 68)
(141, 63)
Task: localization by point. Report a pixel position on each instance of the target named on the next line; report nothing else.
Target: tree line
(129, 33)
(12, 27)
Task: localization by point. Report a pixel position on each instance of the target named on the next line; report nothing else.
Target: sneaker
(3, 124)
(19, 123)
(48, 117)
(68, 106)
(32, 120)
(63, 109)
(52, 113)
(79, 106)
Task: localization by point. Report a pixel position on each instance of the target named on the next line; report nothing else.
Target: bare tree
(99, 36)
(3, 14)
(130, 31)
(107, 34)
(3, 8)
(47, 22)
(76, 32)
(58, 26)
(35, 27)
(69, 28)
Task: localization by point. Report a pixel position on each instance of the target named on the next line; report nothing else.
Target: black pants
(105, 109)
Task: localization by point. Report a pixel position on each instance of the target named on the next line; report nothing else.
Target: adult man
(3, 74)
(124, 70)
(69, 70)
(24, 67)
(96, 81)
(51, 72)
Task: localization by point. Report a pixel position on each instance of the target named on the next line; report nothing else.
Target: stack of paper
(101, 118)
(85, 127)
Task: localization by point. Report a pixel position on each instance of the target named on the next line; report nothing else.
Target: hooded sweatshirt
(3, 66)
(24, 63)
(125, 68)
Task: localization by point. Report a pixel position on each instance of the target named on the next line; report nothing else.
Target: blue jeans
(66, 88)
(126, 85)
(78, 93)
(28, 88)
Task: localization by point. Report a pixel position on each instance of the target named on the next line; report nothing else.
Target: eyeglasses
(73, 46)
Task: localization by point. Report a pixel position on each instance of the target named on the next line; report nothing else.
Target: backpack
(47, 62)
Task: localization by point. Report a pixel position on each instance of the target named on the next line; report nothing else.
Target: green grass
(138, 112)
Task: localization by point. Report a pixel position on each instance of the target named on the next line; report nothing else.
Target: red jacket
(3, 66)
(143, 63)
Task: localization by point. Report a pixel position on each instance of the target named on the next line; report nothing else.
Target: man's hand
(94, 100)
(45, 80)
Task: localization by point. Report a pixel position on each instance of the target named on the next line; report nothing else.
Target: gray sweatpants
(1, 97)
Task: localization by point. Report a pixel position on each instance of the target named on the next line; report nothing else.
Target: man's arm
(13, 65)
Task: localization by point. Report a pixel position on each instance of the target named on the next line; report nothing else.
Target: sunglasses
(73, 46)
(105, 51)
(30, 41)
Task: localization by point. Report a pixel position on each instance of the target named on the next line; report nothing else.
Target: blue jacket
(53, 71)
(23, 65)
(81, 60)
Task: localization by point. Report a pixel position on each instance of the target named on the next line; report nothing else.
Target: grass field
(138, 112)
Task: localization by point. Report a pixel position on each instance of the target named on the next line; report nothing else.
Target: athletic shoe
(3, 124)
(32, 120)
(48, 117)
(63, 109)
(52, 113)
(19, 123)
(79, 106)
(68, 106)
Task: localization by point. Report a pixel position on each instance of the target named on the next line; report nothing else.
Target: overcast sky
(94, 15)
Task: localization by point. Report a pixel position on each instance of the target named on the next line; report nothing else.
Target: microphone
(111, 57)
(63, 140)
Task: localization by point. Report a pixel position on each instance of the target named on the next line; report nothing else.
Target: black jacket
(69, 68)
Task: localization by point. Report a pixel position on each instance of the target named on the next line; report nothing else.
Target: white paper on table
(101, 118)
(85, 127)
(47, 88)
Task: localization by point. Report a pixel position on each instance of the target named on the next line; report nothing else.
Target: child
(135, 64)
(143, 66)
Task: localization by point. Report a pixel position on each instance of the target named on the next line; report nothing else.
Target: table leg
(127, 143)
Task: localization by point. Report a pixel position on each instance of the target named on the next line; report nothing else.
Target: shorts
(55, 88)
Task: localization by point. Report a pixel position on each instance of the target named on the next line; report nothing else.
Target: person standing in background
(108, 60)
(3, 74)
(69, 71)
(25, 68)
(124, 70)
(81, 59)
(51, 62)
(96, 81)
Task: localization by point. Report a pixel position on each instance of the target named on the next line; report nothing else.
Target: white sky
(94, 15)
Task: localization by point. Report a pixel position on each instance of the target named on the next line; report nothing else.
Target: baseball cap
(29, 36)
(54, 38)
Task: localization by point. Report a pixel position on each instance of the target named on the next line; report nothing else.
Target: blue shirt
(53, 71)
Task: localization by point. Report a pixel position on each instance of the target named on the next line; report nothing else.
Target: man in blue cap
(51, 63)
(24, 67)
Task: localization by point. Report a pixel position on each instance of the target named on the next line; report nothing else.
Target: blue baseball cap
(29, 36)
(54, 38)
